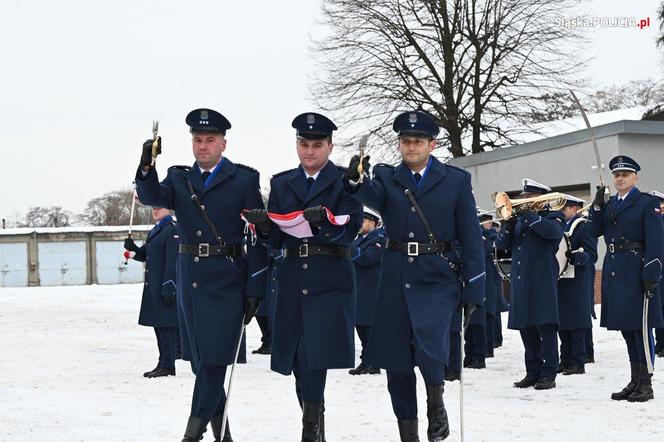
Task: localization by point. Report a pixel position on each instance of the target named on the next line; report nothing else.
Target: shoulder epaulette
(457, 168)
(185, 168)
(250, 169)
(281, 173)
(385, 165)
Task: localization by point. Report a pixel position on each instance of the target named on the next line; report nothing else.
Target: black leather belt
(204, 250)
(622, 246)
(419, 248)
(305, 250)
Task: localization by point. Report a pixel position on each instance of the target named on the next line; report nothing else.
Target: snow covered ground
(73, 359)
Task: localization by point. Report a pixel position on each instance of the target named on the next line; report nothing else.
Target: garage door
(111, 266)
(62, 263)
(14, 264)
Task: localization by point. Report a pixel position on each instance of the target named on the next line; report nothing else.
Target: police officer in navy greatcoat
(158, 306)
(367, 256)
(315, 306)
(534, 237)
(218, 284)
(631, 223)
(574, 292)
(424, 281)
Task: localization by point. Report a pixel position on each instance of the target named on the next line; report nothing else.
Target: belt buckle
(612, 248)
(413, 248)
(303, 250)
(204, 249)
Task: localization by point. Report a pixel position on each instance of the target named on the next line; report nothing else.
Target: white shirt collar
(314, 176)
(211, 170)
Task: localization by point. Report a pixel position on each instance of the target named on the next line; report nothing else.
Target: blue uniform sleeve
(256, 253)
(140, 254)
(654, 240)
(470, 238)
(550, 227)
(370, 192)
(343, 235)
(589, 243)
(370, 256)
(595, 218)
(275, 238)
(168, 285)
(151, 192)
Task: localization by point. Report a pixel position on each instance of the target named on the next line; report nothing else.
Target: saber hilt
(360, 167)
(156, 142)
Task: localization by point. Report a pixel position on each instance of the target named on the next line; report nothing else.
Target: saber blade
(592, 137)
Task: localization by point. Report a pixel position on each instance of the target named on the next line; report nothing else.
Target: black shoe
(452, 376)
(360, 369)
(178, 355)
(466, 361)
(633, 384)
(476, 363)
(161, 372)
(525, 383)
(497, 344)
(311, 413)
(371, 370)
(574, 369)
(408, 431)
(660, 353)
(562, 367)
(264, 349)
(195, 429)
(545, 383)
(488, 355)
(590, 360)
(322, 421)
(643, 392)
(148, 373)
(439, 426)
(215, 423)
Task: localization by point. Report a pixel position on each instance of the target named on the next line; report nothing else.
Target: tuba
(507, 208)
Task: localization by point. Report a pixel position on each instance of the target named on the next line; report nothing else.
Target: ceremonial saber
(131, 217)
(224, 418)
(646, 332)
(155, 141)
(463, 331)
(360, 167)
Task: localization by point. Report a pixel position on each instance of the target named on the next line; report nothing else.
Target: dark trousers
(635, 349)
(309, 383)
(490, 334)
(590, 347)
(475, 345)
(166, 342)
(498, 330)
(209, 395)
(266, 336)
(572, 347)
(541, 350)
(659, 336)
(363, 333)
(454, 361)
(402, 386)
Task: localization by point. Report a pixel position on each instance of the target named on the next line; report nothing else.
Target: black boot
(160, 372)
(264, 349)
(360, 369)
(545, 383)
(148, 373)
(439, 427)
(643, 392)
(215, 423)
(322, 421)
(195, 429)
(633, 384)
(525, 382)
(311, 413)
(574, 369)
(477, 364)
(452, 376)
(408, 431)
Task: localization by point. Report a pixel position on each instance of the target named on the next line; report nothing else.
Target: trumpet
(507, 208)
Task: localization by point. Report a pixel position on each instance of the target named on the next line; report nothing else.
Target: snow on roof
(79, 229)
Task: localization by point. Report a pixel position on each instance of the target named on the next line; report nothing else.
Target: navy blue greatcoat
(535, 270)
(637, 219)
(493, 281)
(368, 258)
(419, 295)
(159, 253)
(211, 290)
(316, 299)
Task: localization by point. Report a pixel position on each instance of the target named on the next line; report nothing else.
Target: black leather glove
(168, 299)
(315, 215)
(510, 224)
(130, 245)
(466, 309)
(569, 254)
(351, 173)
(649, 287)
(146, 156)
(599, 197)
(259, 218)
(250, 306)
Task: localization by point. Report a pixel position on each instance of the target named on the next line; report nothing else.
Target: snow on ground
(73, 359)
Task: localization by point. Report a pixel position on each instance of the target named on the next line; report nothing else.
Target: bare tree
(660, 17)
(478, 66)
(53, 216)
(113, 209)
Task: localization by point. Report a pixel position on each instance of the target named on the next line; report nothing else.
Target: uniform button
(411, 235)
(518, 248)
(613, 273)
(518, 277)
(146, 270)
(196, 259)
(272, 290)
(518, 262)
(407, 285)
(305, 291)
(194, 285)
(305, 240)
(199, 233)
(412, 209)
(327, 234)
(411, 259)
(305, 266)
(146, 283)
(523, 234)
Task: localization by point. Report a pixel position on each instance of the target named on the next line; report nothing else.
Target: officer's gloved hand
(130, 245)
(250, 306)
(146, 156)
(351, 173)
(649, 286)
(467, 310)
(260, 219)
(599, 197)
(168, 298)
(510, 224)
(315, 215)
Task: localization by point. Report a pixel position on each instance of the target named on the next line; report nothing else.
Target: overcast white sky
(82, 80)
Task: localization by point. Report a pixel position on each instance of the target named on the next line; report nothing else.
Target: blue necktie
(206, 175)
(310, 182)
(620, 201)
(417, 177)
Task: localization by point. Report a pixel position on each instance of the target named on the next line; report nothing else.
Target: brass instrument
(360, 167)
(507, 208)
(156, 141)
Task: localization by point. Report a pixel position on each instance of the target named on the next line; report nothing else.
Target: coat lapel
(195, 178)
(436, 172)
(298, 184)
(326, 177)
(226, 170)
(404, 176)
(629, 201)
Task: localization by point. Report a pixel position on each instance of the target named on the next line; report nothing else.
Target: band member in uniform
(428, 209)
(493, 280)
(631, 223)
(315, 307)
(368, 259)
(502, 305)
(534, 237)
(158, 306)
(659, 332)
(574, 293)
(218, 284)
